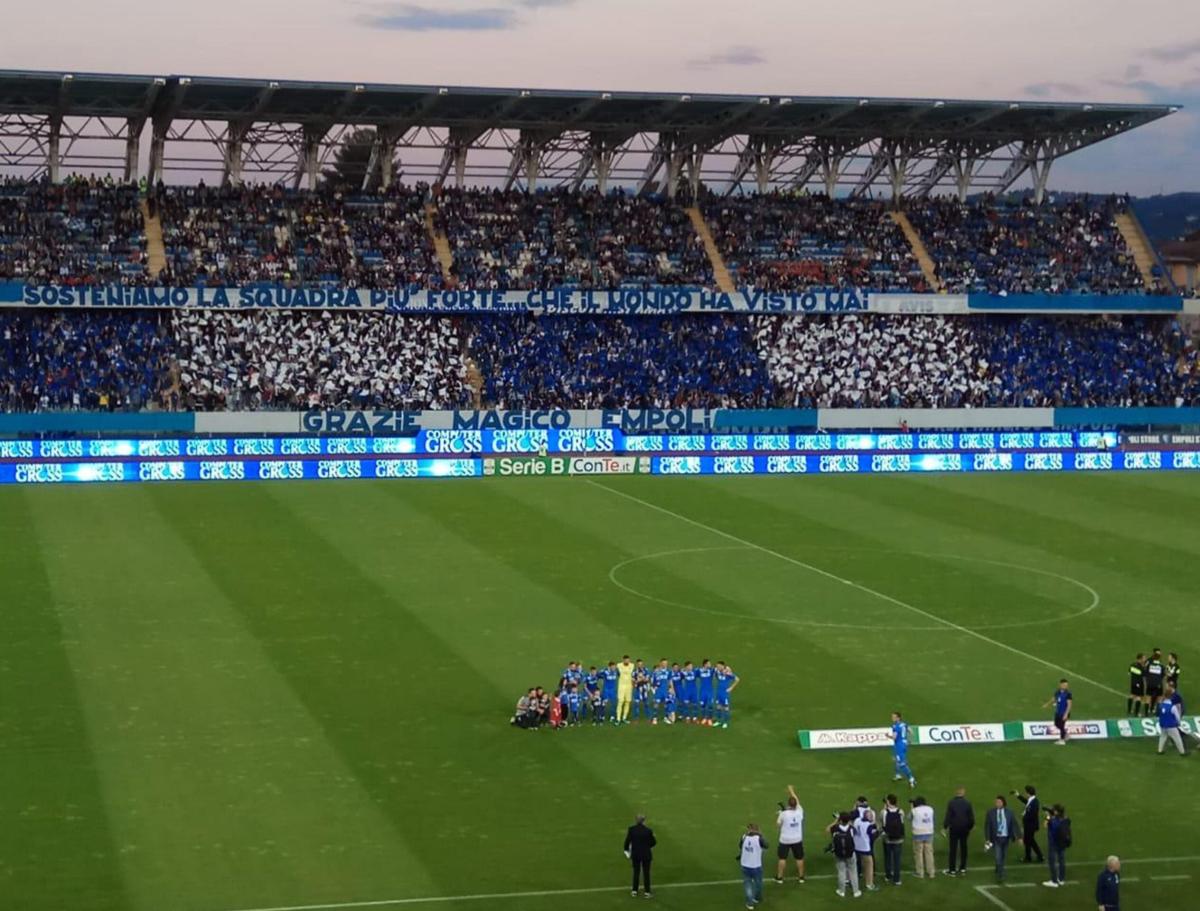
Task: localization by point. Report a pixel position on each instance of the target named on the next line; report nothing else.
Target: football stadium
(406, 488)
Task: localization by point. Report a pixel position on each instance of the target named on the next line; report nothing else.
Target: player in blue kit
(727, 680)
(641, 691)
(591, 690)
(574, 672)
(704, 695)
(575, 705)
(660, 680)
(899, 735)
(676, 689)
(608, 693)
(688, 699)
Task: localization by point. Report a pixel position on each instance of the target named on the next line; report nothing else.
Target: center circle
(615, 572)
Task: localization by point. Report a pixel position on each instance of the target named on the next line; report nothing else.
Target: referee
(1137, 685)
(1156, 673)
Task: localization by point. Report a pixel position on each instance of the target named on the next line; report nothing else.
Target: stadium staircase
(441, 244)
(475, 381)
(924, 260)
(1143, 252)
(156, 251)
(720, 270)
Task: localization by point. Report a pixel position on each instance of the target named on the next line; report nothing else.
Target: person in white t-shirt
(750, 855)
(791, 836)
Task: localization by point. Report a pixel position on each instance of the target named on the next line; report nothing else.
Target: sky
(1062, 50)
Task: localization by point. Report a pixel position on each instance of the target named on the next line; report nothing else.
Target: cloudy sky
(1074, 50)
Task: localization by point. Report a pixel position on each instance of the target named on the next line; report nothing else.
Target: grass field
(236, 696)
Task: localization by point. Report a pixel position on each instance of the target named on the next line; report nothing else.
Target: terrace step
(475, 381)
(720, 270)
(1139, 245)
(441, 244)
(156, 251)
(920, 252)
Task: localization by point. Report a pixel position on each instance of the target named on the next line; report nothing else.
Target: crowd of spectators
(874, 361)
(783, 241)
(1071, 247)
(81, 231)
(241, 360)
(218, 360)
(557, 237)
(682, 361)
(60, 359)
(268, 234)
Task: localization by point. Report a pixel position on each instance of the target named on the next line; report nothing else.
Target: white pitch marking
(1171, 876)
(863, 588)
(986, 892)
(545, 893)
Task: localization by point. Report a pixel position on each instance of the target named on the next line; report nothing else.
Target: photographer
(1058, 839)
(923, 822)
(863, 827)
(893, 838)
(526, 713)
(842, 847)
(750, 856)
(791, 836)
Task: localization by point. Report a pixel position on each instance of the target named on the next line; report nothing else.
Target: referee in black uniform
(1137, 686)
(1156, 673)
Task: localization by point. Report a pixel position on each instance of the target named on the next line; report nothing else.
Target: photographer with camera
(750, 856)
(791, 836)
(841, 846)
(893, 838)
(865, 833)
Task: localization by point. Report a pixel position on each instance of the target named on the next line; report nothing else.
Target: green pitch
(236, 696)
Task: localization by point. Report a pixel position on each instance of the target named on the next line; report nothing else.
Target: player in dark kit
(1062, 702)
(1137, 685)
(1156, 673)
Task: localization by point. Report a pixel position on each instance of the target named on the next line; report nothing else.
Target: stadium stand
(608, 362)
(53, 360)
(520, 240)
(218, 360)
(1001, 247)
(242, 235)
(296, 360)
(788, 240)
(83, 231)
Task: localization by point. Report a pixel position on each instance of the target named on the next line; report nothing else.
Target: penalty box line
(597, 890)
(949, 624)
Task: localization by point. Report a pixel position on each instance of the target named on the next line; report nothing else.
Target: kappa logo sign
(846, 738)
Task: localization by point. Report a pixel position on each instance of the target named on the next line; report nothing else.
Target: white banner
(933, 418)
(845, 738)
(1077, 730)
(959, 733)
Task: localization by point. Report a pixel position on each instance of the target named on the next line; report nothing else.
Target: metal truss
(744, 148)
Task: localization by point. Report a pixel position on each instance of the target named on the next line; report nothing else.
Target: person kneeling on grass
(526, 713)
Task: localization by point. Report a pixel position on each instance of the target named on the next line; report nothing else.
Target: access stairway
(920, 252)
(1139, 245)
(720, 270)
(441, 244)
(156, 251)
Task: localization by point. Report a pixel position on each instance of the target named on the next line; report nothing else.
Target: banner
(626, 301)
(1076, 730)
(1160, 439)
(630, 301)
(574, 465)
(988, 733)
(941, 734)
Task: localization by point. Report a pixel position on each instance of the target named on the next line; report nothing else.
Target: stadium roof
(913, 145)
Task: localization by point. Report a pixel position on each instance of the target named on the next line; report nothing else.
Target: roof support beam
(662, 152)
(458, 143)
(758, 156)
(308, 167)
(878, 164)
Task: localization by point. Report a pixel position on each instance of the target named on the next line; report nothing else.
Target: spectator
(958, 823)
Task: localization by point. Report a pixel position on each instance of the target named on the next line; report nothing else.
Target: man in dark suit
(1000, 830)
(1031, 822)
(639, 844)
(958, 823)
